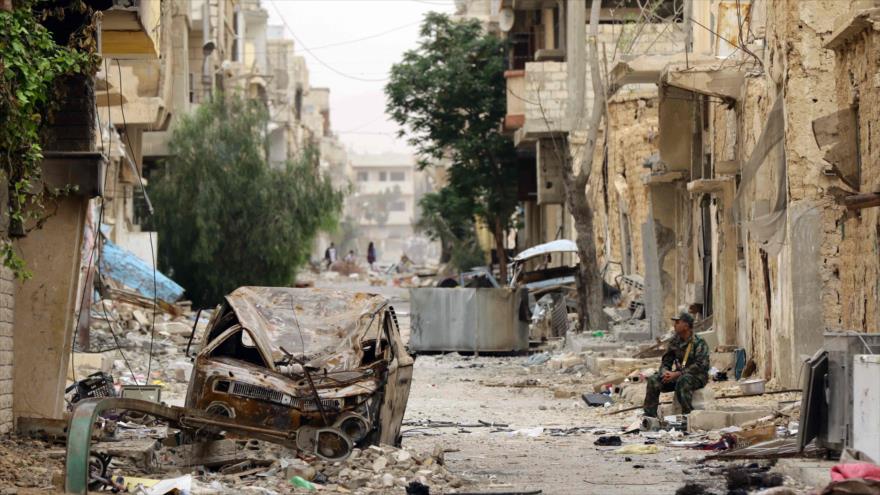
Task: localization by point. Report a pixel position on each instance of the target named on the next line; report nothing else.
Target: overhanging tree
(589, 280)
(450, 95)
(225, 217)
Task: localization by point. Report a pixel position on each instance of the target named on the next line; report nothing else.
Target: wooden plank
(861, 201)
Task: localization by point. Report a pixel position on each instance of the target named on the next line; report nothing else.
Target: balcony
(516, 108)
(131, 36)
(544, 99)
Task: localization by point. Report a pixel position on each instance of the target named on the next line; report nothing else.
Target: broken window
(239, 345)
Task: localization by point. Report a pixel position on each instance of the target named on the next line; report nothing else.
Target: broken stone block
(702, 399)
(706, 420)
(140, 316)
(174, 327)
(722, 417)
(380, 463)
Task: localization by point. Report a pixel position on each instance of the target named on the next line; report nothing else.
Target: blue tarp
(126, 268)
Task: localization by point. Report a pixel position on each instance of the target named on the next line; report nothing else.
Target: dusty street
(470, 390)
(502, 424)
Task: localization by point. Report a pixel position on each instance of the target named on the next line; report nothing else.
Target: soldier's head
(684, 325)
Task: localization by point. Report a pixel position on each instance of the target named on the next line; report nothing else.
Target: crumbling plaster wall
(794, 295)
(632, 120)
(857, 70)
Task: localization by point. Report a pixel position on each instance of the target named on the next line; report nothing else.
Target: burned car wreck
(328, 365)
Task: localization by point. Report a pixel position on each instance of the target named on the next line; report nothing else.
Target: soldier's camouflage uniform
(695, 374)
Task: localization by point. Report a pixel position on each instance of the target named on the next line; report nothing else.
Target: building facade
(733, 174)
(383, 203)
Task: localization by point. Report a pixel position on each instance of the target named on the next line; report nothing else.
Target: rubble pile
(124, 335)
(28, 464)
(267, 468)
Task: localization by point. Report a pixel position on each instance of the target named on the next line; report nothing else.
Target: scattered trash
(597, 400)
(638, 449)
(608, 441)
(847, 471)
(536, 359)
(299, 482)
(528, 432)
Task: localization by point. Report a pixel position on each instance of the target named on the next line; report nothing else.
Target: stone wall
(617, 189)
(859, 248)
(7, 308)
(546, 97)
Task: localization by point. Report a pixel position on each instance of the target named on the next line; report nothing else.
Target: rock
(380, 463)
(387, 480)
(402, 456)
(174, 327)
(139, 316)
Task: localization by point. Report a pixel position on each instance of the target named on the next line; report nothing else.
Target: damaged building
(733, 177)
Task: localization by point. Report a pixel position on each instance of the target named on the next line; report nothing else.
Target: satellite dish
(505, 19)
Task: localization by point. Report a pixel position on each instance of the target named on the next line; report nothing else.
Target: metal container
(866, 404)
(468, 320)
(842, 347)
(752, 387)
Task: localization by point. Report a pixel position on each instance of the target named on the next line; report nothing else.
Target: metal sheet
(557, 246)
(468, 320)
(126, 268)
(813, 405)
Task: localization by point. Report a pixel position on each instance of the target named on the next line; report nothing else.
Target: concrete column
(44, 316)
(576, 58)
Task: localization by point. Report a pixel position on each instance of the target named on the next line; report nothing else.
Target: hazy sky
(357, 107)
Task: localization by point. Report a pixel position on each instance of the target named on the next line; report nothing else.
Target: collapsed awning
(126, 268)
(557, 246)
(706, 78)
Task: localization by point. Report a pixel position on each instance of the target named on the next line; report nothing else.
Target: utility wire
(318, 59)
(149, 233)
(368, 37)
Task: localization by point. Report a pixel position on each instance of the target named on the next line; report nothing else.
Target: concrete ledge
(722, 417)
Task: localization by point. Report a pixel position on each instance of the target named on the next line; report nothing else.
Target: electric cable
(368, 37)
(149, 233)
(318, 59)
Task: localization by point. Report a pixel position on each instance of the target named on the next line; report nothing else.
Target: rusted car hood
(324, 325)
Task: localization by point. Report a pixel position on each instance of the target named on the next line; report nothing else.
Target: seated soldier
(684, 368)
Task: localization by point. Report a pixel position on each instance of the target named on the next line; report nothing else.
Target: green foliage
(447, 216)
(225, 217)
(31, 62)
(450, 94)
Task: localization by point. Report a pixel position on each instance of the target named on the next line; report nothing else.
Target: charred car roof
(325, 325)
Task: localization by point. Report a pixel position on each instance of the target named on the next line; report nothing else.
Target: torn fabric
(767, 229)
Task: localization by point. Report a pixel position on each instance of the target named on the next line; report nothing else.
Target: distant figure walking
(330, 255)
(349, 258)
(371, 255)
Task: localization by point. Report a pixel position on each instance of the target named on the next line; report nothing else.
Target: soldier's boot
(652, 395)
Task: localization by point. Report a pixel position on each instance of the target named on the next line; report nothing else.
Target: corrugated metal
(468, 320)
(125, 267)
